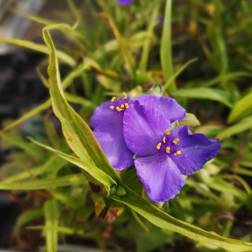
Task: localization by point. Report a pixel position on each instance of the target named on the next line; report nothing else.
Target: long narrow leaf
(76, 131)
(51, 210)
(165, 221)
(38, 48)
(166, 45)
(204, 93)
(241, 108)
(44, 184)
(96, 173)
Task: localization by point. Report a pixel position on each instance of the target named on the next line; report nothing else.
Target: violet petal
(196, 150)
(108, 129)
(161, 177)
(143, 128)
(168, 106)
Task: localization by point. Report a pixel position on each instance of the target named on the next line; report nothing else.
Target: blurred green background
(106, 49)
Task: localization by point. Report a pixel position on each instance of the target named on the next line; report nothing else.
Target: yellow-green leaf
(76, 131)
(241, 108)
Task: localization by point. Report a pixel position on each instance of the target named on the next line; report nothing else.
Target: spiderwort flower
(124, 2)
(146, 130)
(107, 122)
(164, 153)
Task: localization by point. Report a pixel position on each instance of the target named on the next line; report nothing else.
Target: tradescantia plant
(90, 157)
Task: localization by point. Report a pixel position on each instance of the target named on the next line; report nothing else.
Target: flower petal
(196, 150)
(108, 129)
(124, 2)
(160, 176)
(166, 105)
(143, 128)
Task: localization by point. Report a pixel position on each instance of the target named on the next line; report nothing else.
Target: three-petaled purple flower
(124, 2)
(143, 132)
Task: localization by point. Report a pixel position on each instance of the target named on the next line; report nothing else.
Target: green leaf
(38, 109)
(76, 131)
(45, 105)
(26, 217)
(148, 40)
(237, 128)
(21, 143)
(127, 56)
(241, 108)
(190, 120)
(167, 222)
(166, 45)
(44, 184)
(51, 210)
(204, 93)
(88, 167)
(38, 48)
(176, 74)
(53, 162)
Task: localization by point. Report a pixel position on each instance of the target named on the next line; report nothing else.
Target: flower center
(169, 144)
(119, 104)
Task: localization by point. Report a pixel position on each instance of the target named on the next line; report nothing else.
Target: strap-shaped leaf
(166, 221)
(44, 184)
(96, 173)
(76, 131)
(241, 108)
(38, 48)
(51, 211)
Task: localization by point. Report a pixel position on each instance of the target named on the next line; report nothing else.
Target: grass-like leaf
(166, 45)
(38, 48)
(237, 128)
(241, 108)
(51, 210)
(205, 93)
(44, 184)
(76, 131)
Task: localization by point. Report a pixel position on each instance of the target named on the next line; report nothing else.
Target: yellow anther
(124, 95)
(126, 105)
(111, 107)
(118, 109)
(158, 146)
(167, 132)
(113, 99)
(178, 152)
(168, 149)
(176, 140)
(122, 106)
(164, 139)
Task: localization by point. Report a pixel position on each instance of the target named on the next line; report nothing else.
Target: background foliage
(201, 55)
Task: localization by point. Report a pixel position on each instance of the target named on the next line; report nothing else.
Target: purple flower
(164, 154)
(124, 2)
(107, 122)
(145, 129)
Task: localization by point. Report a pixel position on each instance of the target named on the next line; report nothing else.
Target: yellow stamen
(167, 132)
(113, 99)
(118, 109)
(111, 107)
(168, 149)
(178, 152)
(126, 105)
(158, 146)
(164, 139)
(122, 106)
(176, 140)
